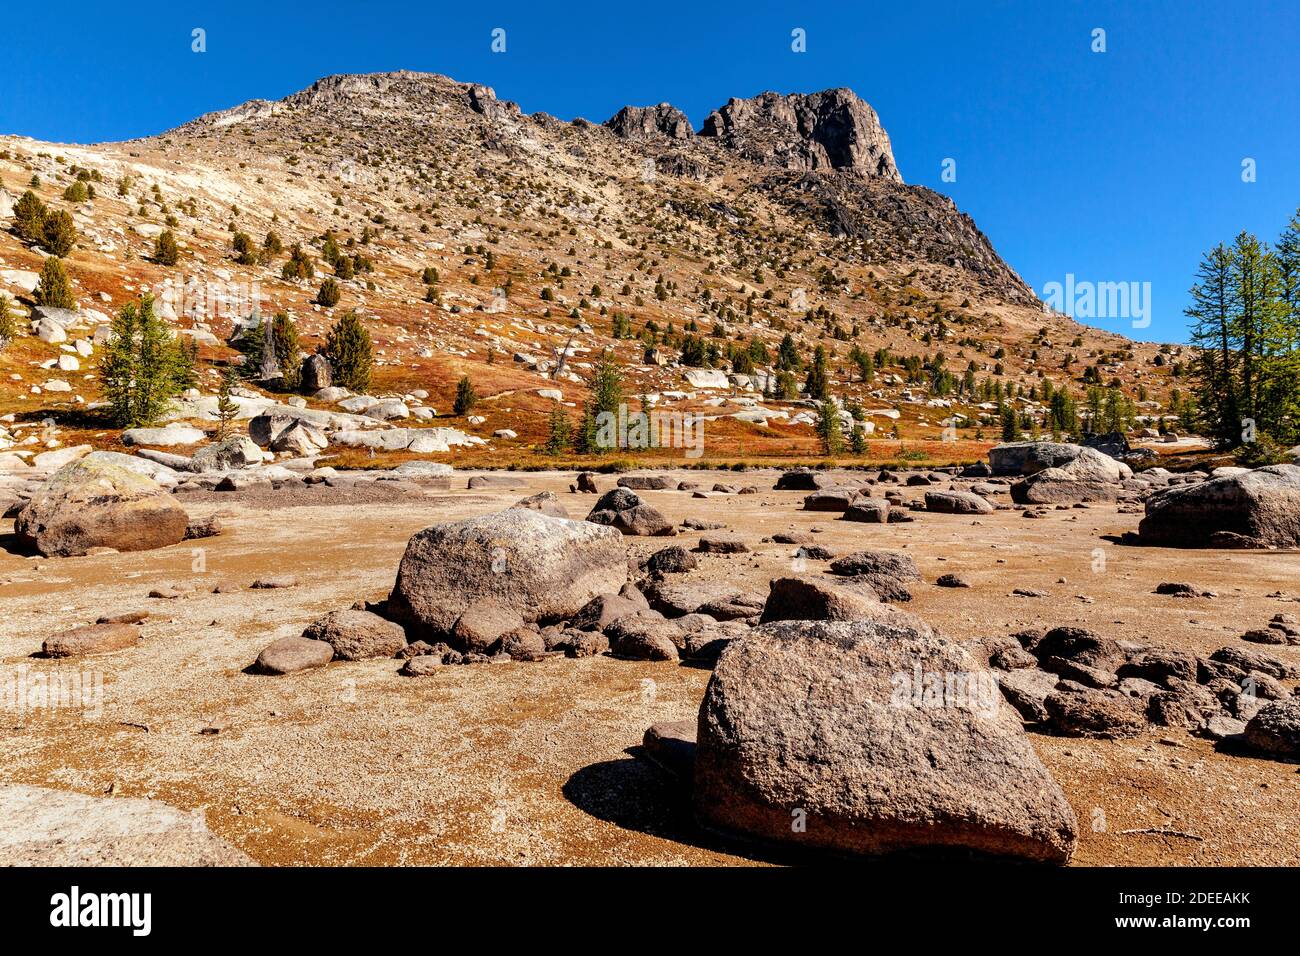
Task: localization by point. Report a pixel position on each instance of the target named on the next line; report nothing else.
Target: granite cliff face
(650, 122)
(834, 129)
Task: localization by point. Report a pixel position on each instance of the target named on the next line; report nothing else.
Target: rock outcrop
(650, 122)
(830, 130)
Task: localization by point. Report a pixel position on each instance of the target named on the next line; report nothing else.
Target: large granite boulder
(1090, 476)
(93, 503)
(516, 562)
(863, 738)
(1028, 457)
(1258, 509)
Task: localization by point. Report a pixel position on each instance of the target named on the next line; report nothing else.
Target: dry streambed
(542, 761)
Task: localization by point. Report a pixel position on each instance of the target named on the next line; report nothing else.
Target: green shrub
(60, 234)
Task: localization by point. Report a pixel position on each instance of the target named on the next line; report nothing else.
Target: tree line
(1245, 314)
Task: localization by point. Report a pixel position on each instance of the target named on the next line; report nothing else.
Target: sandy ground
(536, 763)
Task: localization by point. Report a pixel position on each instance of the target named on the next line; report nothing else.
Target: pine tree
(29, 217)
(329, 294)
(350, 353)
(858, 439)
(585, 440)
(187, 364)
(165, 251)
(607, 385)
(787, 356)
(288, 351)
(54, 290)
(829, 429)
(466, 397)
(227, 407)
(1214, 367)
(1010, 427)
(559, 431)
(141, 366)
(817, 385)
(60, 234)
(246, 252)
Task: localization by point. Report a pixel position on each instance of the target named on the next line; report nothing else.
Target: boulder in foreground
(863, 738)
(291, 654)
(356, 635)
(97, 504)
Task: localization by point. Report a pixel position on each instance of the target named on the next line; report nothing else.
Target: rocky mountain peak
(833, 129)
(650, 122)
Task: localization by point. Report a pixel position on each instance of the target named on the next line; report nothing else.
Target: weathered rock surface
(91, 639)
(357, 635)
(814, 719)
(1260, 508)
(833, 129)
(623, 509)
(650, 123)
(98, 504)
(537, 567)
(957, 503)
(1275, 728)
(291, 654)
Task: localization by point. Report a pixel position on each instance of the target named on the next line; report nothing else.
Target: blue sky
(1116, 166)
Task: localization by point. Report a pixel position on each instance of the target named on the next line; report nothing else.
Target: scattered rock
(290, 654)
(91, 639)
(357, 635)
(540, 568)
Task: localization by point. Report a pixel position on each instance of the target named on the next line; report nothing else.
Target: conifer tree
(350, 352)
(466, 397)
(817, 385)
(165, 251)
(829, 429)
(54, 289)
(288, 351)
(60, 234)
(559, 431)
(142, 366)
(227, 407)
(8, 327)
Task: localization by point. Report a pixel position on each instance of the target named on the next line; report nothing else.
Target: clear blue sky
(1115, 166)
